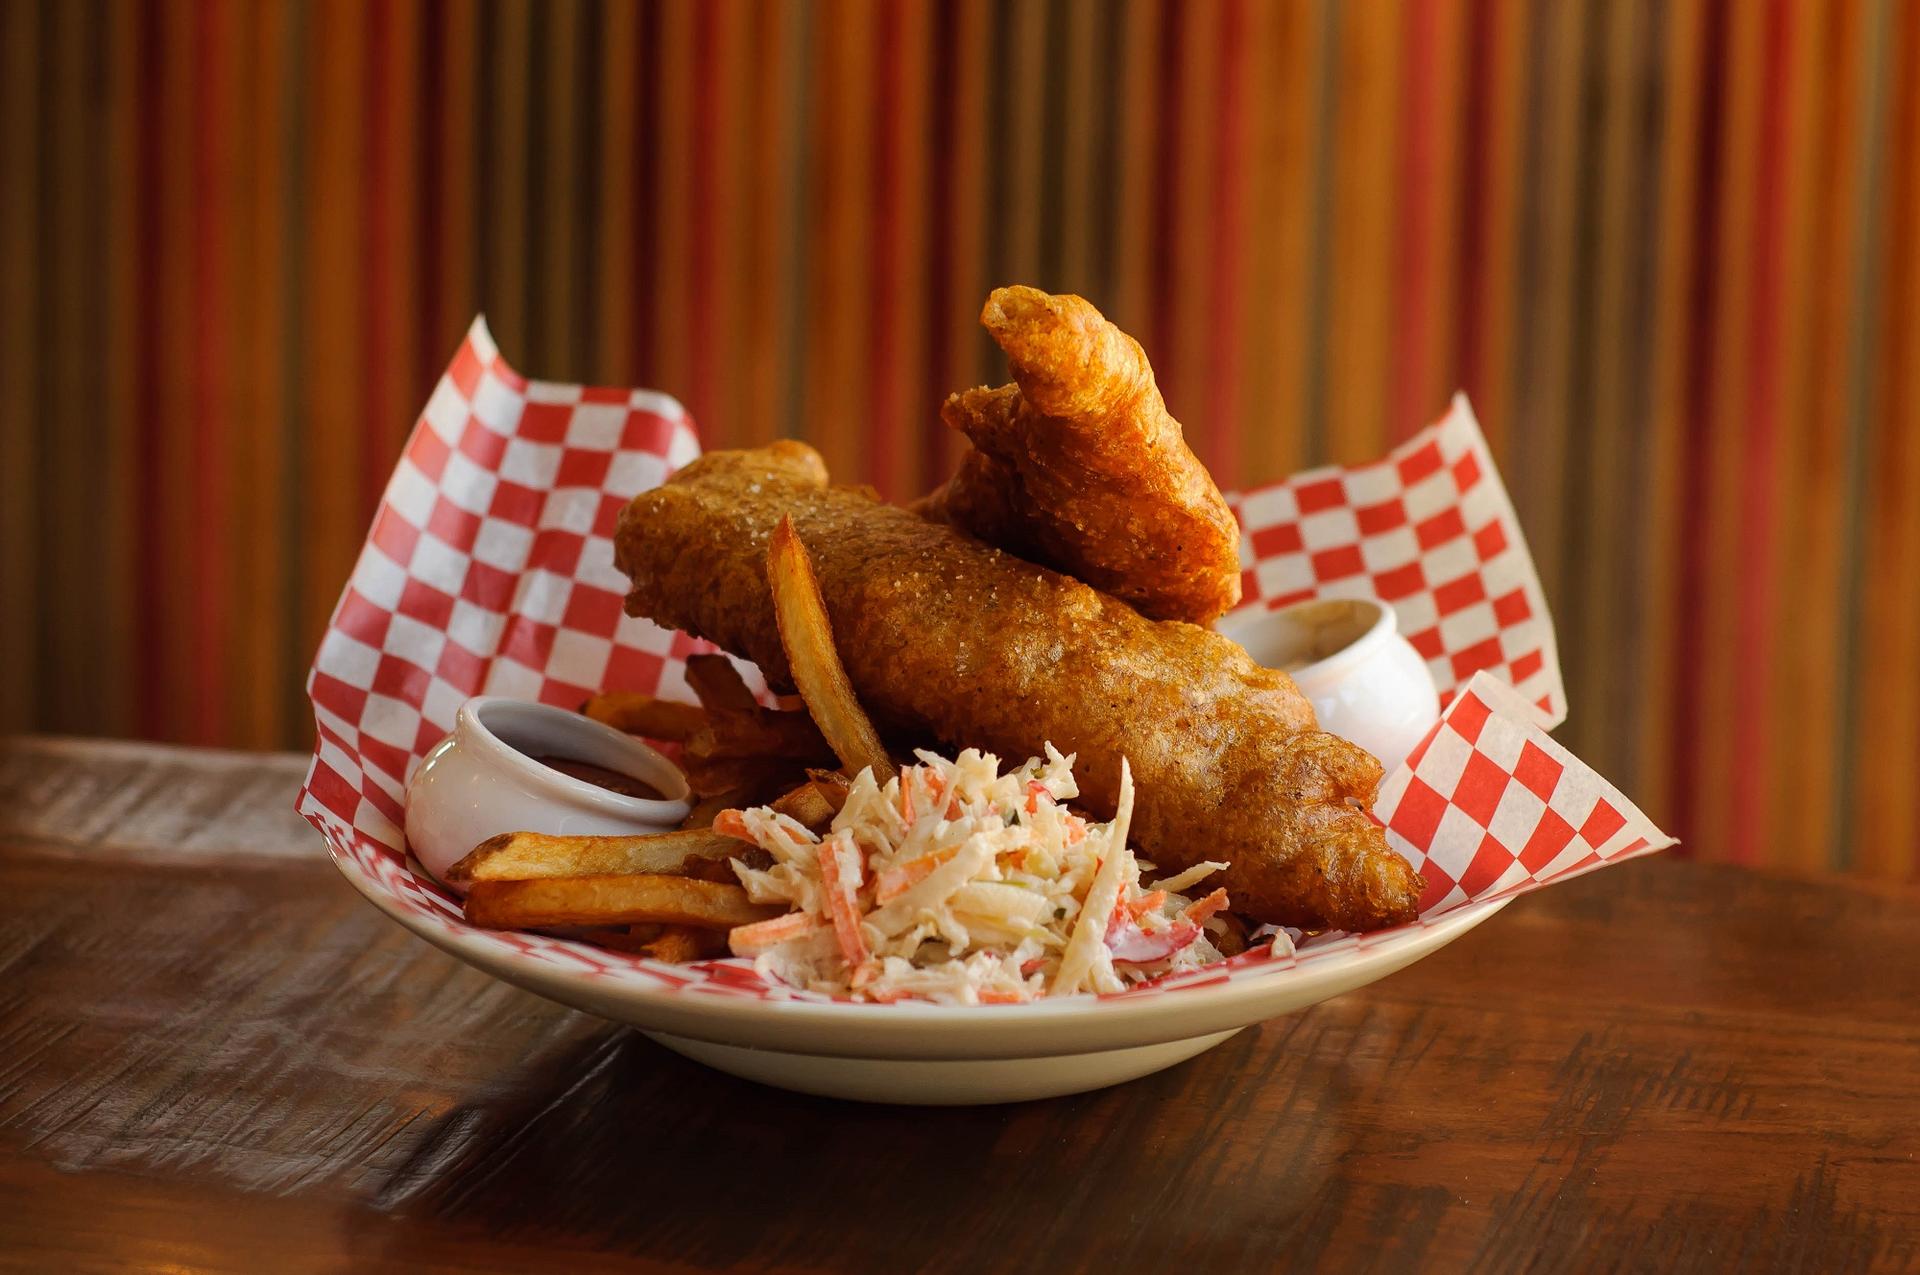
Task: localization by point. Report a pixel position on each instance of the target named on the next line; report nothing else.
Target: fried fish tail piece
(1079, 465)
(944, 636)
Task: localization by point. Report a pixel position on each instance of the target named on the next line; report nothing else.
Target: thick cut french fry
(645, 715)
(719, 684)
(625, 938)
(678, 944)
(526, 856)
(761, 733)
(814, 803)
(610, 900)
(703, 811)
(709, 776)
(806, 634)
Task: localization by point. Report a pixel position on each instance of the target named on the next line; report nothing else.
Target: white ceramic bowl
(482, 780)
(721, 1014)
(1346, 655)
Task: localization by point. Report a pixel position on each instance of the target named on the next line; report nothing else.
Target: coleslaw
(955, 883)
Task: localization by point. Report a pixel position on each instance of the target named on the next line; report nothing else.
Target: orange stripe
(1361, 236)
(331, 344)
(770, 209)
(1182, 353)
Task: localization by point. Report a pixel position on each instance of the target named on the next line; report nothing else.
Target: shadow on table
(615, 1142)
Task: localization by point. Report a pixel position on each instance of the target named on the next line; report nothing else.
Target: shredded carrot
(906, 794)
(1204, 908)
(1035, 791)
(1149, 902)
(1003, 996)
(840, 904)
(751, 940)
(896, 881)
(732, 823)
(1076, 829)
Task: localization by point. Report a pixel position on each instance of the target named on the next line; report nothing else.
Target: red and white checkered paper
(489, 569)
(1428, 529)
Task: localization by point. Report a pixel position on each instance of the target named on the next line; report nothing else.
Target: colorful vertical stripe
(1666, 248)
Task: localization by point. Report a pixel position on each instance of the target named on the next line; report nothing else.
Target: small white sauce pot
(1346, 655)
(482, 780)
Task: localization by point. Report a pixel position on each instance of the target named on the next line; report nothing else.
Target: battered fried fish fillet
(1079, 466)
(944, 636)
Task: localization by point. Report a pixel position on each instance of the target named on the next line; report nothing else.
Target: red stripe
(1223, 425)
(702, 350)
(211, 361)
(1747, 818)
(1697, 396)
(882, 310)
(1483, 43)
(1409, 361)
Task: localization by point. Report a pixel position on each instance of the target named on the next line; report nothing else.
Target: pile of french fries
(673, 896)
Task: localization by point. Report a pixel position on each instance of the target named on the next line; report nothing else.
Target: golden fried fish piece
(1079, 466)
(944, 636)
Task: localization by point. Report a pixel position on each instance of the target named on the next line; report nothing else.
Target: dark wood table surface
(214, 1056)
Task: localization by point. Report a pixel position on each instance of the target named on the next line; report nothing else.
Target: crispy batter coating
(1079, 466)
(947, 637)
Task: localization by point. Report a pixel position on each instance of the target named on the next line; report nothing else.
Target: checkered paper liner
(1430, 531)
(489, 570)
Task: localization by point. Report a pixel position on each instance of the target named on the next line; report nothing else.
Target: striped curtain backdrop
(1669, 249)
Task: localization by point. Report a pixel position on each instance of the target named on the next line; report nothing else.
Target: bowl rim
(912, 1029)
(1383, 627)
(471, 728)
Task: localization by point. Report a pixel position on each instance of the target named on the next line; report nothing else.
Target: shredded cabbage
(955, 883)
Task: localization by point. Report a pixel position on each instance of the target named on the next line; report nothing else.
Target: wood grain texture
(215, 1056)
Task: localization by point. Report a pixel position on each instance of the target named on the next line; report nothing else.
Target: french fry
(678, 944)
(645, 715)
(710, 776)
(807, 636)
(703, 811)
(610, 900)
(814, 803)
(761, 733)
(719, 684)
(625, 938)
(526, 856)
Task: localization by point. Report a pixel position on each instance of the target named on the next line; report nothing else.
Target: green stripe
(1868, 263)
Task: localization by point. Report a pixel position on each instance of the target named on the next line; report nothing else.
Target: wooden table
(213, 1055)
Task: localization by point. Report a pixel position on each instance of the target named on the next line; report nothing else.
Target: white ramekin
(1367, 683)
(482, 780)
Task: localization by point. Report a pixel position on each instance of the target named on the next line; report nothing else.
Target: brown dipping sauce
(601, 777)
